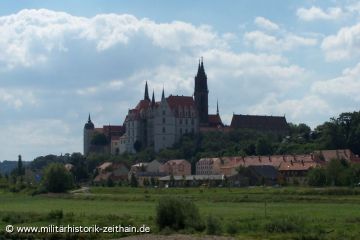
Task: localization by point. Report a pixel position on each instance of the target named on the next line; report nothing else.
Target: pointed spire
(89, 124)
(153, 99)
(146, 95)
(217, 107)
(163, 95)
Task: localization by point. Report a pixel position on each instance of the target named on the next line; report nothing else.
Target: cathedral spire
(146, 95)
(89, 119)
(217, 107)
(153, 99)
(163, 95)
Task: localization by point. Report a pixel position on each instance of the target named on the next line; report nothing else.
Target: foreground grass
(272, 213)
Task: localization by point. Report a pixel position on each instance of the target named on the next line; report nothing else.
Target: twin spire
(146, 95)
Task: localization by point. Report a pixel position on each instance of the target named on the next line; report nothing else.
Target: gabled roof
(180, 101)
(258, 122)
(143, 104)
(328, 155)
(214, 120)
(104, 166)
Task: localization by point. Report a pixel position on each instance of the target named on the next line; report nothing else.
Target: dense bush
(177, 213)
(213, 225)
(57, 179)
(335, 173)
(317, 177)
(284, 224)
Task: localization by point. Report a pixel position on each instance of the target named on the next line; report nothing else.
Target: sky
(61, 60)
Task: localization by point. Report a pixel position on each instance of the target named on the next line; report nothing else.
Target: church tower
(146, 94)
(88, 134)
(201, 94)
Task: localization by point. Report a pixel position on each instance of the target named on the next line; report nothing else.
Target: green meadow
(245, 213)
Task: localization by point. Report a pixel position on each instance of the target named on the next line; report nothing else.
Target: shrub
(56, 214)
(57, 179)
(317, 177)
(177, 213)
(213, 225)
(285, 224)
(232, 228)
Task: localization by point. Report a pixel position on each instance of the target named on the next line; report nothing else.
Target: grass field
(249, 213)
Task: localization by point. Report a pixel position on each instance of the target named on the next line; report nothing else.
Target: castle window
(186, 121)
(180, 120)
(163, 120)
(164, 112)
(163, 130)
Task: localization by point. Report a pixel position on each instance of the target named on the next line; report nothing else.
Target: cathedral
(160, 124)
(157, 124)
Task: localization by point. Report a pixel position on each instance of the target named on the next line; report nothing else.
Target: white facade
(160, 125)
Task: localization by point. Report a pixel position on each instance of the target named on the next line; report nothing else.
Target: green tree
(99, 139)
(20, 167)
(80, 170)
(317, 177)
(133, 180)
(177, 213)
(172, 181)
(56, 178)
(263, 147)
(110, 182)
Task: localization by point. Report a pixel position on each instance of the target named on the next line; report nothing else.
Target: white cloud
(265, 23)
(29, 37)
(113, 85)
(100, 65)
(38, 137)
(263, 41)
(306, 109)
(344, 45)
(346, 86)
(17, 98)
(316, 13)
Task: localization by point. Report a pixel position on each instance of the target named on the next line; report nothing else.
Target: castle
(160, 124)
(157, 124)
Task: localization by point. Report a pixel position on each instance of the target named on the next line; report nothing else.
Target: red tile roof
(214, 120)
(180, 101)
(297, 166)
(143, 104)
(328, 155)
(271, 123)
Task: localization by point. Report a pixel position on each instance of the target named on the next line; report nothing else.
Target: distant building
(192, 180)
(328, 155)
(179, 167)
(151, 171)
(111, 134)
(272, 124)
(160, 124)
(109, 170)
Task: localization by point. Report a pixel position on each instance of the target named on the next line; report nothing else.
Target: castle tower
(201, 93)
(88, 134)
